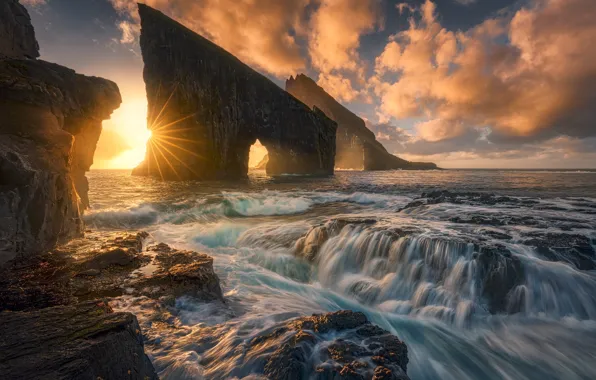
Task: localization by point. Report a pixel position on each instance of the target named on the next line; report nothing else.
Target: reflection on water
(495, 279)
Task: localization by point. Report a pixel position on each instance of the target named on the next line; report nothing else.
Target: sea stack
(357, 147)
(206, 108)
(51, 121)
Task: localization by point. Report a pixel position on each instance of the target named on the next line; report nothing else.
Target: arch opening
(258, 156)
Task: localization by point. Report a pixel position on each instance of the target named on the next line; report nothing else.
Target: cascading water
(478, 286)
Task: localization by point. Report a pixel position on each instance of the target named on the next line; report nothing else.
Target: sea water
(412, 268)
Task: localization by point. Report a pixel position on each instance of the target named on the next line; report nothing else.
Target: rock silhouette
(357, 147)
(206, 108)
(51, 121)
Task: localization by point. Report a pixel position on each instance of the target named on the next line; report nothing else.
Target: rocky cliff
(50, 123)
(17, 38)
(357, 147)
(206, 108)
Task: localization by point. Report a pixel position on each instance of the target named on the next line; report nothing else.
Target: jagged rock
(179, 273)
(357, 146)
(577, 250)
(17, 37)
(206, 108)
(349, 347)
(86, 341)
(98, 266)
(51, 121)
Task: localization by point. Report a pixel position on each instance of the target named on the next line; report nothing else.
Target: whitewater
(484, 274)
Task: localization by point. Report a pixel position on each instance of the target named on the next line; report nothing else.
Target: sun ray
(164, 133)
(179, 147)
(167, 161)
(156, 162)
(176, 158)
(159, 137)
(156, 120)
(160, 127)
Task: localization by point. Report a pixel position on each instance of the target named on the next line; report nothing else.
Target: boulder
(86, 341)
(179, 273)
(357, 146)
(348, 347)
(206, 109)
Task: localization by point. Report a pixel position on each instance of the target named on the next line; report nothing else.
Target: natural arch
(207, 108)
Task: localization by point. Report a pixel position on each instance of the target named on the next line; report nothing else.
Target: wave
(232, 204)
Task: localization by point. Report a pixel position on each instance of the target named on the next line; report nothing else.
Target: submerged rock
(340, 345)
(206, 109)
(51, 122)
(86, 341)
(357, 146)
(574, 249)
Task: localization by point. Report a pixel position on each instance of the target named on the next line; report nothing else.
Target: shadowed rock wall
(357, 147)
(206, 108)
(17, 38)
(50, 121)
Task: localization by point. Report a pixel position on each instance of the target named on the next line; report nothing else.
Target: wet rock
(51, 122)
(215, 107)
(82, 341)
(357, 147)
(500, 273)
(86, 268)
(349, 347)
(574, 249)
(17, 37)
(180, 273)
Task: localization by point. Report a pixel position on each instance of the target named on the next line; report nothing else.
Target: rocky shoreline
(57, 280)
(60, 303)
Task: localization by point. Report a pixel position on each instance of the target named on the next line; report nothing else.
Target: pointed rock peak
(206, 108)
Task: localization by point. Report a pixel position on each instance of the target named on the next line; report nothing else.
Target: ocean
(484, 274)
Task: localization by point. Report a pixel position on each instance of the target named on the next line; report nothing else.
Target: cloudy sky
(463, 83)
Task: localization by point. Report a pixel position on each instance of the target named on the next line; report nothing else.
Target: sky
(462, 83)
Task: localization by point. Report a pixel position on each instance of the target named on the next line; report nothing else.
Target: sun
(130, 122)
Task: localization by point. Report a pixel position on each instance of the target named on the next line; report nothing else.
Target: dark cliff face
(17, 38)
(50, 123)
(357, 147)
(206, 108)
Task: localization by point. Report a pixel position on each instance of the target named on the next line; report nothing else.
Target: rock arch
(206, 108)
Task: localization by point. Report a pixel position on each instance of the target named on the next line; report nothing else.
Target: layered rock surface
(85, 341)
(357, 146)
(51, 122)
(206, 108)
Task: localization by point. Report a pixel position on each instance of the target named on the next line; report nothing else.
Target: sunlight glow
(129, 122)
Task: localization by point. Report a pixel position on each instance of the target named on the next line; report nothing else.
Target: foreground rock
(51, 122)
(96, 267)
(206, 109)
(85, 341)
(179, 273)
(340, 345)
(357, 146)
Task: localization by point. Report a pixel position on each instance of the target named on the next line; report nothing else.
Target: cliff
(357, 147)
(51, 121)
(17, 38)
(206, 108)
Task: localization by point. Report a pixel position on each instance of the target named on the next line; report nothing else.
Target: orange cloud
(336, 28)
(261, 33)
(528, 76)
